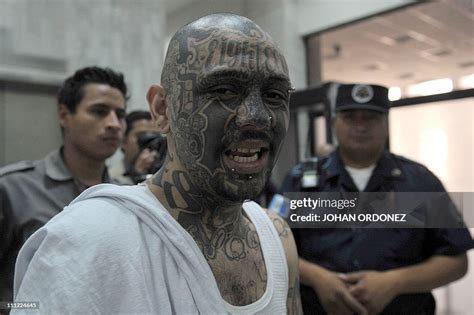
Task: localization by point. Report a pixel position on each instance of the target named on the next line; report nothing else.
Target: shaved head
(222, 39)
(227, 94)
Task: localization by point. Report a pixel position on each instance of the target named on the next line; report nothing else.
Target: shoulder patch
(17, 167)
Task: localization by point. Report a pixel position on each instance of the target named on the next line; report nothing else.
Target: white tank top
(273, 301)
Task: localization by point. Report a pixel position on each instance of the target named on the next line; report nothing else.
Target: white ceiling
(427, 41)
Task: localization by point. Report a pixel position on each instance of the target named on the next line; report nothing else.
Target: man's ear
(158, 107)
(64, 115)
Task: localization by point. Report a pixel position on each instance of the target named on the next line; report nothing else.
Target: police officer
(91, 108)
(388, 271)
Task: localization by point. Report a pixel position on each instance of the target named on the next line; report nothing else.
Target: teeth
(236, 155)
(244, 159)
(246, 150)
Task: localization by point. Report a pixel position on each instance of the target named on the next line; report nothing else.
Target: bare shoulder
(286, 237)
(280, 224)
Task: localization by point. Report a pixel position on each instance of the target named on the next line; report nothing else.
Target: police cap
(362, 96)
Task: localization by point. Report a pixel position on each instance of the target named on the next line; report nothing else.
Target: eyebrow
(280, 80)
(108, 107)
(243, 76)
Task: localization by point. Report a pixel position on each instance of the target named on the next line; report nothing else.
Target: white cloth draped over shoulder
(115, 249)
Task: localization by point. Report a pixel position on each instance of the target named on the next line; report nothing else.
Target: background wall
(442, 139)
(123, 34)
(28, 125)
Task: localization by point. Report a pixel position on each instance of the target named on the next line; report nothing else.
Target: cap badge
(362, 93)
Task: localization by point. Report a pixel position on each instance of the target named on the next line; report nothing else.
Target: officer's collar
(55, 167)
(386, 166)
(57, 170)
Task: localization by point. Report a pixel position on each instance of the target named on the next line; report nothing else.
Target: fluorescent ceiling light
(466, 82)
(431, 87)
(394, 93)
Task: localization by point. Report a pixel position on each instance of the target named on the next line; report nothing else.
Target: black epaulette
(17, 167)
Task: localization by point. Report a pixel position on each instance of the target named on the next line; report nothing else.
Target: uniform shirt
(31, 193)
(347, 250)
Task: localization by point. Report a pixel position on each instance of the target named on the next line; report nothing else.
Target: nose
(360, 125)
(114, 122)
(253, 113)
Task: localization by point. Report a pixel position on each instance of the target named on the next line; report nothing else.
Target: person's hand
(373, 289)
(335, 296)
(144, 161)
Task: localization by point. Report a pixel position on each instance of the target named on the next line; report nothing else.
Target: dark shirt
(31, 193)
(348, 250)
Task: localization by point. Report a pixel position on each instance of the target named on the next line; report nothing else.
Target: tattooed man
(187, 241)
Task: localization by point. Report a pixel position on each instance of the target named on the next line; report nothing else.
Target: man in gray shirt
(91, 109)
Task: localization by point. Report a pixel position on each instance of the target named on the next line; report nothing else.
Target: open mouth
(247, 157)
